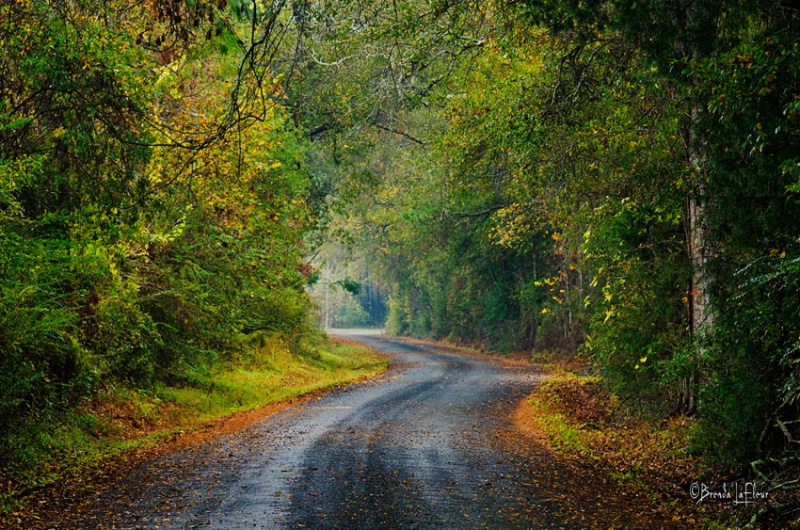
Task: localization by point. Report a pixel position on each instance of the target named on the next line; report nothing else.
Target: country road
(429, 445)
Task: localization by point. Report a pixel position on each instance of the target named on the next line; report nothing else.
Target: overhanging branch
(398, 132)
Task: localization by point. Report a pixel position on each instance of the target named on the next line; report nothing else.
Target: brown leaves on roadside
(643, 457)
(585, 401)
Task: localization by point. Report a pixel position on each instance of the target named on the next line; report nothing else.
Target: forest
(615, 180)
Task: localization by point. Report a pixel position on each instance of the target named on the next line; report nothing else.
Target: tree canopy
(612, 179)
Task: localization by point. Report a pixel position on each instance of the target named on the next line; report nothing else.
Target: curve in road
(426, 446)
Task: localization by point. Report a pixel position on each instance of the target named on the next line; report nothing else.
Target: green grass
(120, 419)
(564, 435)
(273, 375)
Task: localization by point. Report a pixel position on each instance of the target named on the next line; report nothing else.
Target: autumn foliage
(152, 201)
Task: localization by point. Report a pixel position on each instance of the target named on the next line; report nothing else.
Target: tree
(153, 197)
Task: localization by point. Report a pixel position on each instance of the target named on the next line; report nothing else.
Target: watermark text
(737, 493)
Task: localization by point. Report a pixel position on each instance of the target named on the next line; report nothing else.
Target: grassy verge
(85, 444)
(583, 421)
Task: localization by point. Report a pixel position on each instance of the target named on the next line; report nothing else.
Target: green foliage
(531, 220)
(639, 304)
(350, 286)
(152, 201)
(750, 388)
(558, 206)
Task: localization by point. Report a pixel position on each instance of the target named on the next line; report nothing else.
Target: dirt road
(430, 445)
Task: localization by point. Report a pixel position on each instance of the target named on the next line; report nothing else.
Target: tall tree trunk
(701, 316)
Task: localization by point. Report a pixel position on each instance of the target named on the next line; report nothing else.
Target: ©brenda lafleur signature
(739, 493)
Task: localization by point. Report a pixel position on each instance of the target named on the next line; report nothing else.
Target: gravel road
(429, 445)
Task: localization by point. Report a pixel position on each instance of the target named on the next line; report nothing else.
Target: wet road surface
(429, 445)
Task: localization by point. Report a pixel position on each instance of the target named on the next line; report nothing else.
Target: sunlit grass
(256, 382)
(565, 435)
